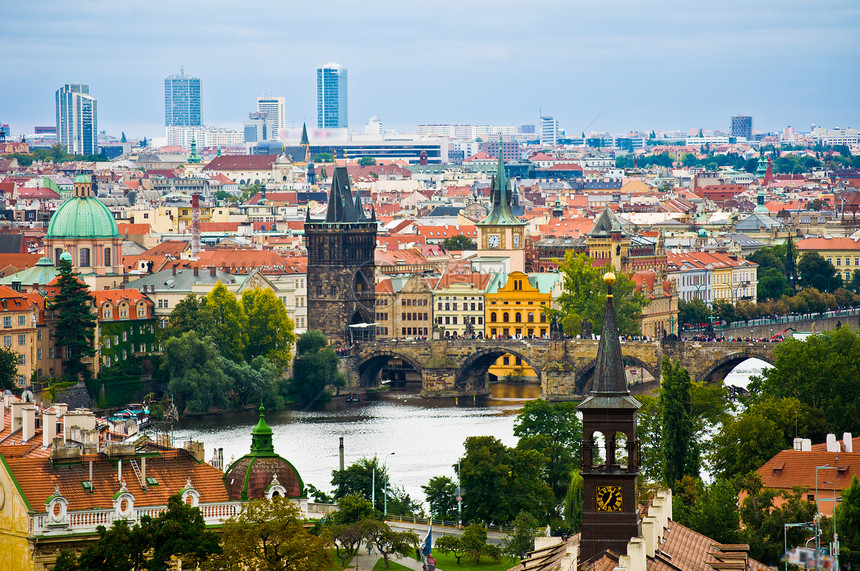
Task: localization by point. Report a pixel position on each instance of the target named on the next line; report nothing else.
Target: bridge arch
(585, 376)
(472, 375)
(717, 370)
(371, 364)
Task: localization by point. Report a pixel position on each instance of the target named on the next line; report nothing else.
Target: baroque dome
(255, 474)
(83, 217)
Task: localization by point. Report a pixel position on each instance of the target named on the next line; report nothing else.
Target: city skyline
(612, 68)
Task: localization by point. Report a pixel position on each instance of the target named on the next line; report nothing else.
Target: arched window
(531, 317)
(506, 317)
(107, 257)
(543, 317)
(84, 257)
(493, 317)
(518, 317)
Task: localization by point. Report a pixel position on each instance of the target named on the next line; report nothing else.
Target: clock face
(516, 240)
(609, 499)
(493, 241)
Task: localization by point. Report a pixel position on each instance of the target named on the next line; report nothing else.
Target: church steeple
(500, 213)
(610, 510)
(261, 437)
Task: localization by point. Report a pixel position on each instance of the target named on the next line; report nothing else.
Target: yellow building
(843, 253)
(515, 308)
(660, 316)
(20, 313)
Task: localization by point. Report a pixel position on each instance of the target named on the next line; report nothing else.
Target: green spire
(261, 437)
(500, 175)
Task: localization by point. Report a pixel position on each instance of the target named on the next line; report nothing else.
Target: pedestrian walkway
(365, 562)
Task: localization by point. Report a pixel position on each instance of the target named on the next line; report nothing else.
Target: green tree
(352, 508)
(758, 433)
(723, 310)
(441, 495)
(270, 534)
(252, 382)
(8, 369)
(270, 329)
(574, 502)
(693, 312)
(119, 548)
(649, 431)
(196, 374)
(818, 273)
(680, 451)
(230, 323)
(715, 514)
(474, 541)
(822, 371)
(498, 482)
(847, 517)
(389, 542)
(179, 531)
(359, 479)
(522, 538)
(323, 158)
(190, 314)
(584, 297)
(74, 322)
(450, 544)
(457, 243)
(314, 368)
(555, 431)
(368, 162)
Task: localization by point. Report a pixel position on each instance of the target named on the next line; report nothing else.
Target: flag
(428, 541)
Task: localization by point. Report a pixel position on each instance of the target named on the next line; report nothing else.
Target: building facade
(742, 126)
(332, 97)
(182, 100)
(501, 234)
(548, 131)
(77, 119)
(273, 107)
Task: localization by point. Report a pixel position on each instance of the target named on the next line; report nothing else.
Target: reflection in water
(426, 435)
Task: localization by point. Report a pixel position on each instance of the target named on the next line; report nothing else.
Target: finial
(609, 278)
(262, 409)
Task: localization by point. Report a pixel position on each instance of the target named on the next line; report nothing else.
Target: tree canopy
(680, 449)
(458, 242)
(314, 368)
(584, 297)
(817, 272)
(8, 369)
(270, 329)
(74, 322)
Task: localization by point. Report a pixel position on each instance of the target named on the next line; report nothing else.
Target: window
(107, 361)
(506, 317)
(124, 354)
(39, 353)
(22, 340)
(107, 257)
(7, 322)
(39, 335)
(84, 257)
(51, 355)
(22, 359)
(22, 320)
(125, 335)
(7, 340)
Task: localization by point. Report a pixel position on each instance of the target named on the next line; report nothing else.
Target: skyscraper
(273, 107)
(77, 119)
(548, 130)
(742, 126)
(182, 100)
(331, 97)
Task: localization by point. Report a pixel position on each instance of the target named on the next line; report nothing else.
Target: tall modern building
(548, 130)
(742, 126)
(182, 100)
(331, 97)
(77, 119)
(273, 107)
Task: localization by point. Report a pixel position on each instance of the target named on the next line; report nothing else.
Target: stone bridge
(564, 367)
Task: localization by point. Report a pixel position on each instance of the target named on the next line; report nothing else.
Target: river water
(425, 435)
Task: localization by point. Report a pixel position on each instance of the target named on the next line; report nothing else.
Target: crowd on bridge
(723, 339)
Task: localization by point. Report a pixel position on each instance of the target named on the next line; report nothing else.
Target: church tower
(610, 512)
(501, 233)
(340, 263)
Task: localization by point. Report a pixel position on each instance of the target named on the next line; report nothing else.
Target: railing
(87, 521)
(792, 318)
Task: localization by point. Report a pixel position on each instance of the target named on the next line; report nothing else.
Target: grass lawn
(392, 566)
(449, 563)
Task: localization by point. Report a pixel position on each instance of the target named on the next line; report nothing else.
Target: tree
(723, 310)
(252, 382)
(554, 430)
(389, 542)
(359, 478)
(270, 329)
(270, 534)
(715, 514)
(758, 433)
(441, 495)
(346, 538)
(367, 162)
(179, 531)
(123, 139)
(584, 297)
(74, 322)
(847, 517)
(229, 321)
(8, 369)
(314, 368)
(457, 243)
(474, 542)
(323, 158)
(522, 538)
(450, 544)
(822, 371)
(194, 367)
(693, 312)
(352, 508)
(498, 482)
(680, 453)
(190, 314)
(649, 430)
(817, 272)
(574, 502)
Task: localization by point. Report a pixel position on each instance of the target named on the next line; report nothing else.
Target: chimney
(847, 442)
(49, 428)
(196, 271)
(143, 470)
(60, 408)
(91, 473)
(28, 417)
(806, 445)
(119, 470)
(832, 443)
(174, 269)
(212, 271)
(798, 444)
(649, 533)
(2, 415)
(16, 415)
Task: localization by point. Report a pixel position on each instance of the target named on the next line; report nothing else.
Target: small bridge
(565, 368)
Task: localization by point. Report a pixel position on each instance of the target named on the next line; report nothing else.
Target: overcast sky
(612, 65)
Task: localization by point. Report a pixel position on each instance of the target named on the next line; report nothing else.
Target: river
(425, 435)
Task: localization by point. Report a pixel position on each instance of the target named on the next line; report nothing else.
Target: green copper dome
(83, 217)
(82, 178)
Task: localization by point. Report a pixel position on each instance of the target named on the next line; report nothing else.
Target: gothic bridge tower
(610, 512)
(340, 264)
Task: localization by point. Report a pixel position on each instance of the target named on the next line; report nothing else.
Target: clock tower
(610, 512)
(501, 233)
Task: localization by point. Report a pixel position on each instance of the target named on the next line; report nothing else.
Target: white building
(273, 107)
(548, 130)
(205, 136)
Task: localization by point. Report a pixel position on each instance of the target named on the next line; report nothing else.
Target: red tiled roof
(241, 163)
(133, 229)
(115, 296)
(819, 244)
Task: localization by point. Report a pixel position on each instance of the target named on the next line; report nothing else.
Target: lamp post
(385, 475)
(835, 545)
(818, 515)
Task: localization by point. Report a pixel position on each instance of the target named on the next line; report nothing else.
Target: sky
(599, 65)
